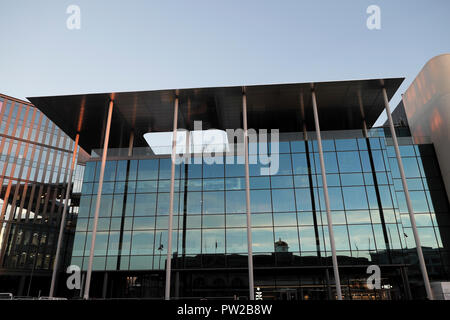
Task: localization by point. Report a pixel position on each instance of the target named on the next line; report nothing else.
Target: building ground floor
(25, 284)
(289, 283)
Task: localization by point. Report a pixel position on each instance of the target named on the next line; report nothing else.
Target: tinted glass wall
(289, 225)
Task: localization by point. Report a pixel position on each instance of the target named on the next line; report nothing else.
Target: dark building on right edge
(292, 256)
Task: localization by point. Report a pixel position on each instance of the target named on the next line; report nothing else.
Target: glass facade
(34, 159)
(291, 248)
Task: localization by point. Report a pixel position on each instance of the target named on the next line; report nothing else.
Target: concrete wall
(427, 105)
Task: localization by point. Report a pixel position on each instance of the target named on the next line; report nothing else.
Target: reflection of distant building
(408, 257)
(281, 246)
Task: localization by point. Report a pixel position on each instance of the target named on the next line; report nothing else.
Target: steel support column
(251, 285)
(363, 115)
(63, 218)
(130, 144)
(327, 199)
(99, 198)
(172, 187)
(423, 267)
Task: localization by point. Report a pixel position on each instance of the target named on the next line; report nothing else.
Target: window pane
(89, 171)
(142, 242)
(260, 201)
(141, 262)
(281, 181)
(261, 220)
(346, 144)
(194, 202)
(303, 199)
(85, 204)
(105, 206)
(236, 220)
(110, 171)
(349, 162)
(411, 167)
(163, 203)
(352, 179)
(142, 223)
(117, 205)
(298, 146)
(148, 170)
(260, 182)
(213, 170)
(305, 218)
(193, 241)
(307, 238)
(283, 200)
(300, 163)
(165, 169)
(285, 166)
(146, 186)
(145, 204)
(335, 196)
(213, 241)
(101, 243)
(301, 181)
(78, 244)
(378, 160)
(285, 219)
(361, 237)
(121, 170)
(356, 217)
(213, 221)
(213, 184)
(355, 198)
(234, 167)
(236, 240)
(330, 162)
(341, 237)
(262, 240)
(288, 235)
(213, 202)
(235, 202)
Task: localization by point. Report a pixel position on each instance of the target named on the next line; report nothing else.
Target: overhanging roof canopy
(276, 106)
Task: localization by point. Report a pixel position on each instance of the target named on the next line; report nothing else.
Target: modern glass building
(217, 223)
(34, 160)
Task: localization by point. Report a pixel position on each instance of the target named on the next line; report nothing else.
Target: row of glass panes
(239, 220)
(157, 262)
(39, 135)
(422, 220)
(352, 237)
(37, 148)
(211, 202)
(413, 167)
(420, 200)
(218, 184)
(340, 162)
(23, 108)
(353, 144)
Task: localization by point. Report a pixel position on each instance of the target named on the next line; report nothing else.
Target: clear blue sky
(143, 45)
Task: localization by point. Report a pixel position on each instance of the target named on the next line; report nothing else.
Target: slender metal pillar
(172, 187)
(327, 199)
(363, 115)
(99, 198)
(423, 267)
(375, 179)
(63, 218)
(251, 284)
(313, 203)
(130, 144)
